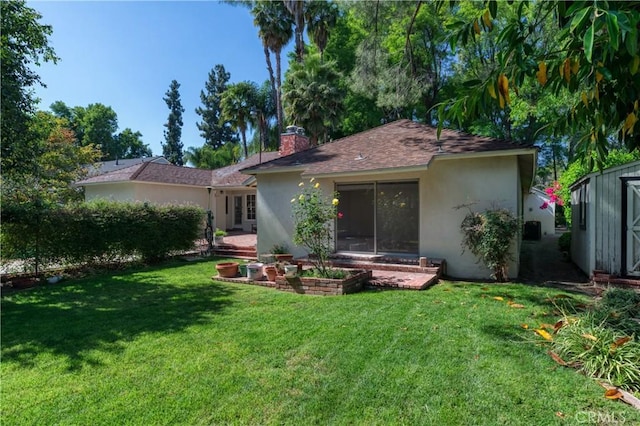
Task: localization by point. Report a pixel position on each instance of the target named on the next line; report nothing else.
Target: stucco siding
(484, 183)
(275, 223)
(532, 211)
(488, 182)
(115, 192)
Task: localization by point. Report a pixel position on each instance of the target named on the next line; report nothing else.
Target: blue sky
(124, 54)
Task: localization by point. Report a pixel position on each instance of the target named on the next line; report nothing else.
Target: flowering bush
(313, 214)
(554, 195)
(489, 236)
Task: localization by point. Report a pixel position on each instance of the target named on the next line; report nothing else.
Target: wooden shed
(605, 221)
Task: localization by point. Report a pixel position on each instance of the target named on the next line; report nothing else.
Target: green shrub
(489, 236)
(564, 242)
(99, 231)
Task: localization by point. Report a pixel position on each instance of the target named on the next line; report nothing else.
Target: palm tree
(313, 97)
(265, 110)
(275, 30)
(207, 157)
(321, 16)
(238, 102)
(297, 9)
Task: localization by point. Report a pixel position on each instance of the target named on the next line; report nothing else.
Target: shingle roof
(399, 144)
(170, 174)
(110, 166)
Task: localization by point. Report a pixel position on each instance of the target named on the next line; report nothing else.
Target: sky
(124, 54)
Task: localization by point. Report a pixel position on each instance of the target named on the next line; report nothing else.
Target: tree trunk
(274, 89)
(279, 110)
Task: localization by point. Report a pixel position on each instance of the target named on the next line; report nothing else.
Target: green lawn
(168, 345)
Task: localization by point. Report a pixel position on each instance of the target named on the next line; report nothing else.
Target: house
(399, 188)
(225, 191)
(538, 208)
(605, 221)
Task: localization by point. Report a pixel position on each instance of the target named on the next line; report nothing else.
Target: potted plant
(219, 236)
(281, 252)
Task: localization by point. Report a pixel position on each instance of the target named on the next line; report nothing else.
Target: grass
(168, 345)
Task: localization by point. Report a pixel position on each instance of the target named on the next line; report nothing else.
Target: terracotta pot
(24, 282)
(271, 272)
(227, 269)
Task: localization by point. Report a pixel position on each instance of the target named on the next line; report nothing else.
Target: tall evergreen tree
(172, 147)
(216, 132)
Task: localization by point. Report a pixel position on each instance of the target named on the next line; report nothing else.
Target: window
(583, 206)
(251, 207)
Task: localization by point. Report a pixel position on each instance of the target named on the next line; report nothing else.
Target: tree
(238, 103)
(216, 132)
(58, 161)
(24, 42)
(321, 17)
(205, 157)
(313, 97)
(97, 124)
(297, 10)
(595, 58)
(275, 30)
(263, 114)
(172, 147)
(129, 145)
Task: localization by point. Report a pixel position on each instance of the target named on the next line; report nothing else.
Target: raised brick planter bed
(308, 285)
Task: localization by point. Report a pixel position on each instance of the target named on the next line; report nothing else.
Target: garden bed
(311, 285)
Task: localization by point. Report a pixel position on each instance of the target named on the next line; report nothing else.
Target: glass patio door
(356, 221)
(379, 217)
(397, 224)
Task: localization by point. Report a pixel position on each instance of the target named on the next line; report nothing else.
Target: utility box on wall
(532, 230)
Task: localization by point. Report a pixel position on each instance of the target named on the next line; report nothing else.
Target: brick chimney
(293, 140)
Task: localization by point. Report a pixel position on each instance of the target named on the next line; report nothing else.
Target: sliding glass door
(356, 218)
(379, 217)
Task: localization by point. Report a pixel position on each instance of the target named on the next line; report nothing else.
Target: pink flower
(544, 205)
(340, 215)
(549, 191)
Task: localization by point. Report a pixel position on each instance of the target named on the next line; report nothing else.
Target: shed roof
(397, 145)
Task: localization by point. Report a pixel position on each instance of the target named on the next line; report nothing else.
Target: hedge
(98, 231)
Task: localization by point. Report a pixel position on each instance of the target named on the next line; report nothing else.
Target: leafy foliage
(238, 103)
(489, 236)
(601, 342)
(313, 215)
(578, 169)
(90, 232)
(594, 58)
(24, 42)
(313, 97)
(564, 242)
